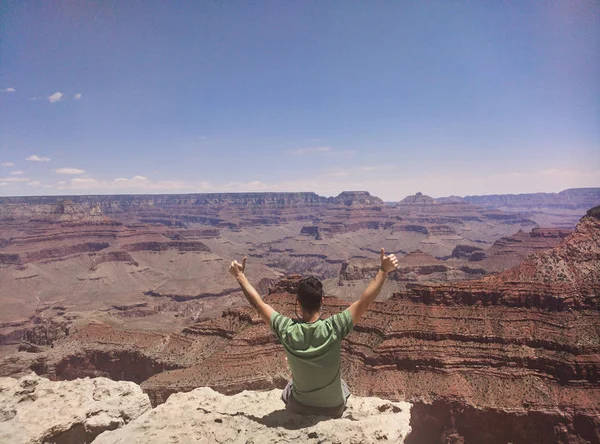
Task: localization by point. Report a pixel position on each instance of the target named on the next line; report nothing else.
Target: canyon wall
(513, 357)
(548, 209)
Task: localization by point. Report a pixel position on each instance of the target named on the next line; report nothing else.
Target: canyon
(547, 209)
(161, 260)
(489, 327)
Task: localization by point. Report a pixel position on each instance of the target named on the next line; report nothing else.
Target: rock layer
(512, 352)
(548, 209)
(163, 257)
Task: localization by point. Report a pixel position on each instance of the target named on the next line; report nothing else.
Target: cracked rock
(260, 417)
(37, 410)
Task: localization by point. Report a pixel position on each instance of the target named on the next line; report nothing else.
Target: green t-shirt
(314, 354)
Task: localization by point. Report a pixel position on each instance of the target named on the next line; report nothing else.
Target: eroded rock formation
(57, 253)
(510, 251)
(413, 267)
(548, 209)
(418, 198)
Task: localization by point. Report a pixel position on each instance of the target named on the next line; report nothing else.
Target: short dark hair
(310, 293)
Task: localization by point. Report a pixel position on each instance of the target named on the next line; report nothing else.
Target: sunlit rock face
(36, 410)
(204, 415)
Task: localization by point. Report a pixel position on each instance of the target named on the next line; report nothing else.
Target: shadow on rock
(288, 420)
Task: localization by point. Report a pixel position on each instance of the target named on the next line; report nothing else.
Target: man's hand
(360, 307)
(388, 263)
(236, 269)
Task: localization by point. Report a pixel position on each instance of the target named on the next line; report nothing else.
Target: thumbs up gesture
(236, 268)
(389, 262)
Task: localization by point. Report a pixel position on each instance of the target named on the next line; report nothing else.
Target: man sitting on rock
(312, 344)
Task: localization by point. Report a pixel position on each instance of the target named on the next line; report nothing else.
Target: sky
(446, 98)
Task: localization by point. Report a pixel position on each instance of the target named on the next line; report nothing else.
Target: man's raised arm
(360, 307)
(237, 271)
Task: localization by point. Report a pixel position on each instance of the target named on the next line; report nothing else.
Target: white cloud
(77, 96)
(84, 181)
(549, 171)
(131, 185)
(397, 183)
(69, 171)
(315, 150)
(36, 158)
(7, 164)
(8, 90)
(34, 183)
(56, 97)
(14, 179)
(17, 173)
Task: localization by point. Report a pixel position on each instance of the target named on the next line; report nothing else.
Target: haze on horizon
(447, 98)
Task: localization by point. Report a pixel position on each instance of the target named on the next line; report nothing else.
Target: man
(312, 344)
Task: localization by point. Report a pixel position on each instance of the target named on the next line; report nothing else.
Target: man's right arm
(360, 307)
(265, 310)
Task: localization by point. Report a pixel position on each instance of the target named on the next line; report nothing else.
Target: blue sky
(389, 97)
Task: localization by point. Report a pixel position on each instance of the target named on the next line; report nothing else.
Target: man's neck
(311, 317)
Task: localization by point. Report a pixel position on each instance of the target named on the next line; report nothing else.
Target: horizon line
(285, 192)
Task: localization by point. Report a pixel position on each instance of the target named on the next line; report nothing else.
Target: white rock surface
(37, 410)
(205, 416)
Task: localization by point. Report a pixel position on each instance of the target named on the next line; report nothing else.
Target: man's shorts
(291, 404)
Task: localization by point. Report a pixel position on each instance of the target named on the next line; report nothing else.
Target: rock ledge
(37, 410)
(205, 416)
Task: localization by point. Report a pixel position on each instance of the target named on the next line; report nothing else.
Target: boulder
(37, 410)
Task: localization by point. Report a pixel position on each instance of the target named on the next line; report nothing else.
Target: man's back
(313, 352)
(313, 346)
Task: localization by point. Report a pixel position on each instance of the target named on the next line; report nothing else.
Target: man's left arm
(265, 310)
